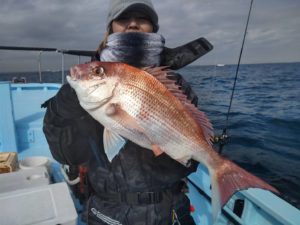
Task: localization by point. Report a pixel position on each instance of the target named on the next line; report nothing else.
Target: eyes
(126, 18)
(98, 71)
(133, 15)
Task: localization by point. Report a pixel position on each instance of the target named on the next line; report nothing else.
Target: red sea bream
(149, 109)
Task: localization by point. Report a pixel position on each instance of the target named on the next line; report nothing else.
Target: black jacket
(78, 140)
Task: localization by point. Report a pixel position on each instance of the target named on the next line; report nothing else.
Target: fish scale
(145, 117)
(162, 107)
(153, 120)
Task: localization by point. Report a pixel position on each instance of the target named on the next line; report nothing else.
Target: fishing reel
(222, 140)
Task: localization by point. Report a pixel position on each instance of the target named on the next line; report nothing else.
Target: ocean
(264, 120)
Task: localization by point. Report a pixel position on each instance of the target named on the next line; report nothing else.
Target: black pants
(115, 213)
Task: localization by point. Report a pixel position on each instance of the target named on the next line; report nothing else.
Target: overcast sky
(273, 33)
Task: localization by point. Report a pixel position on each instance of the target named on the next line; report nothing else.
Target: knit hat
(117, 7)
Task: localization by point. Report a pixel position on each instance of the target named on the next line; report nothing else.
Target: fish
(147, 108)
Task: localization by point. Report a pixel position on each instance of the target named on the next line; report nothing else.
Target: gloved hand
(65, 103)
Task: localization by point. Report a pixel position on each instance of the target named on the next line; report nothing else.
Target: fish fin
(161, 74)
(229, 178)
(202, 121)
(115, 111)
(156, 71)
(156, 150)
(112, 143)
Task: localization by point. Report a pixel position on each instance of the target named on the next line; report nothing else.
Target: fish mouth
(81, 72)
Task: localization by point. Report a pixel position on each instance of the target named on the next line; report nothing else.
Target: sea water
(264, 119)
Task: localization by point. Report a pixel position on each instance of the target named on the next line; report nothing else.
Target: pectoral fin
(156, 150)
(129, 126)
(112, 143)
(115, 111)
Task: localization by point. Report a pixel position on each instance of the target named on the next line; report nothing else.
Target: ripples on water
(264, 124)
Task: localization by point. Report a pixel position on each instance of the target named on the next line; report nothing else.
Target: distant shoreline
(192, 65)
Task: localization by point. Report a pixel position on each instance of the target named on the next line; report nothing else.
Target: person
(138, 186)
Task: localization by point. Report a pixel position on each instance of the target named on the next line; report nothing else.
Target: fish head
(93, 82)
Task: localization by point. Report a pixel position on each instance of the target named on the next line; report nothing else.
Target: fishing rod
(224, 138)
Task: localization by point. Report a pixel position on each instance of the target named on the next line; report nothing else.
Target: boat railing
(62, 52)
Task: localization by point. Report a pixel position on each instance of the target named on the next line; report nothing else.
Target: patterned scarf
(134, 48)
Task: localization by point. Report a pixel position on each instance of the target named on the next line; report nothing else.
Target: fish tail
(228, 178)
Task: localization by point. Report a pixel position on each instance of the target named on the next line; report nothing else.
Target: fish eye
(98, 70)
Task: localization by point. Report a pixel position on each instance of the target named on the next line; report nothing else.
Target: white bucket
(35, 161)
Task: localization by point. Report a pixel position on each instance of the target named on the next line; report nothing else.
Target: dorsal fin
(162, 75)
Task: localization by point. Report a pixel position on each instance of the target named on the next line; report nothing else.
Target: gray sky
(273, 34)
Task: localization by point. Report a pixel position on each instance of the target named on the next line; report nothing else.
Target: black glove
(65, 103)
(176, 58)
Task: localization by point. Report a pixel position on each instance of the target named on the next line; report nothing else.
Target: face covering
(134, 48)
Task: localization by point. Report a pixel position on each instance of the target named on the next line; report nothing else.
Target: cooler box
(24, 179)
(43, 205)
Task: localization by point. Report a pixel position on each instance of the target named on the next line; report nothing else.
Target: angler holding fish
(137, 131)
(137, 186)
